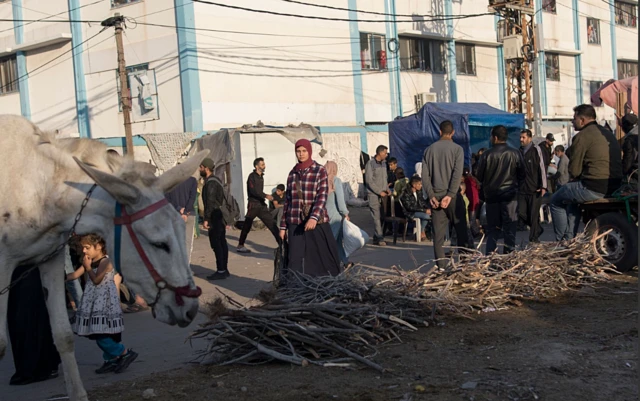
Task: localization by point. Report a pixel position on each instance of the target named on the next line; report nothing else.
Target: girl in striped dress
(99, 316)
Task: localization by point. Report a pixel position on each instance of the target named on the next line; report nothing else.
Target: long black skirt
(314, 252)
(34, 355)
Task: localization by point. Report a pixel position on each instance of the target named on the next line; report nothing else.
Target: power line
(372, 12)
(444, 18)
(54, 59)
(54, 15)
(242, 32)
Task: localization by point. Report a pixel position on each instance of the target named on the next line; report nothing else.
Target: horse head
(153, 258)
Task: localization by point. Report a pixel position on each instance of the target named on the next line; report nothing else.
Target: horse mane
(95, 154)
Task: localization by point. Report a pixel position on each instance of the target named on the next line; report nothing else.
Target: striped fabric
(315, 188)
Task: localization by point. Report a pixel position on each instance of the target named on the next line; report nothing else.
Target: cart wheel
(618, 246)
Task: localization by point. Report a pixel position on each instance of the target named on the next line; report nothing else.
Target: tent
(607, 93)
(410, 136)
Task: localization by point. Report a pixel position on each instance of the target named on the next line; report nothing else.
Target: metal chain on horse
(59, 248)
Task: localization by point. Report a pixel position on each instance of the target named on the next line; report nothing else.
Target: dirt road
(583, 346)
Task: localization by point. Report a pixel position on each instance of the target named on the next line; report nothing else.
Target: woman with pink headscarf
(312, 248)
(336, 208)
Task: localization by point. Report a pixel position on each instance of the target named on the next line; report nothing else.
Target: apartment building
(194, 66)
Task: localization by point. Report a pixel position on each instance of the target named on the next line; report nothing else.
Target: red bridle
(126, 220)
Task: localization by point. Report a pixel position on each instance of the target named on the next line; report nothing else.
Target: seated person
(595, 171)
(415, 205)
(401, 182)
(276, 205)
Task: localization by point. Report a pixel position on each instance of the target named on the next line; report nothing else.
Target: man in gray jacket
(376, 181)
(442, 167)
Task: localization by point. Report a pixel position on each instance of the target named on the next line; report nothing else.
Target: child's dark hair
(280, 187)
(415, 179)
(399, 173)
(94, 239)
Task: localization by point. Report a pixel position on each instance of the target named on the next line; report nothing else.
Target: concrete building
(197, 67)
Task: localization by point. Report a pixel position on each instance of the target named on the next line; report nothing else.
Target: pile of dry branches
(335, 321)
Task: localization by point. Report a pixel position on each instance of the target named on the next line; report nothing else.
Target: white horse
(43, 182)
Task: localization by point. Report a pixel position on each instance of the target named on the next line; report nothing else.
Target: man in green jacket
(595, 169)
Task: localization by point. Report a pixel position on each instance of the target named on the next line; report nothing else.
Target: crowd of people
(509, 185)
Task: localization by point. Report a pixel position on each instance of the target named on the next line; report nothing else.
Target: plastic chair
(416, 222)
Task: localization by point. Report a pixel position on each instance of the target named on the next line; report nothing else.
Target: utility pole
(117, 21)
(516, 31)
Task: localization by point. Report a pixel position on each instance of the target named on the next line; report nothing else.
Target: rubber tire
(628, 231)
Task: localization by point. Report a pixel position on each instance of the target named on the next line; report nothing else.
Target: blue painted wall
(576, 39)
(356, 66)
(393, 65)
(188, 61)
(21, 60)
(614, 52)
(542, 70)
(501, 73)
(82, 106)
(451, 54)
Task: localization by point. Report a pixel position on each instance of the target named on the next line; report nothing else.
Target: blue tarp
(472, 122)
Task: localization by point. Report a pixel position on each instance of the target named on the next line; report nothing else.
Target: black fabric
(313, 252)
(529, 213)
(34, 355)
(456, 214)
(630, 153)
(500, 170)
(218, 240)
(533, 174)
(412, 205)
(212, 197)
(276, 198)
(546, 153)
(262, 212)
(255, 188)
(502, 218)
(184, 195)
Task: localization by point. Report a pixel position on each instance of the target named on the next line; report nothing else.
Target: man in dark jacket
(595, 166)
(415, 205)
(183, 199)
(630, 144)
(256, 206)
(500, 170)
(213, 199)
(534, 186)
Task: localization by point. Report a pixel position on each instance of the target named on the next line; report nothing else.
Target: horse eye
(161, 245)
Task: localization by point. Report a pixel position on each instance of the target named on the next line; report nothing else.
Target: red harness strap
(127, 220)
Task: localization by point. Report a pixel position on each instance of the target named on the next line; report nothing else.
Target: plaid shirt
(315, 189)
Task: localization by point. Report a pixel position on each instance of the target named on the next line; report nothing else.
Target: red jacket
(472, 193)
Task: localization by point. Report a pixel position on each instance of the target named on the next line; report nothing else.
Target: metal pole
(124, 87)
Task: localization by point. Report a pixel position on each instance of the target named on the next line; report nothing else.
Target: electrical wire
(370, 12)
(445, 18)
(55, 58)
(54, 15)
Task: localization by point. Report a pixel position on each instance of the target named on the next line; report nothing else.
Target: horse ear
(178, 174)
(121, 190)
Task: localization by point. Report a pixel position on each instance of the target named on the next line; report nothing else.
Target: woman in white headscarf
(336, 207)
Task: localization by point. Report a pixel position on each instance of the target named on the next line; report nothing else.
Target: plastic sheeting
(472, 122)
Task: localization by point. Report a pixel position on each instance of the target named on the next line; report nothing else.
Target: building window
(593, 31)
(552, 66)
(594, 86)
(422, 55)
(8, 75)
(626, 14)
(465, 59)
(549, 6)
(118, 3)
(627, 69)
(373, 55)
